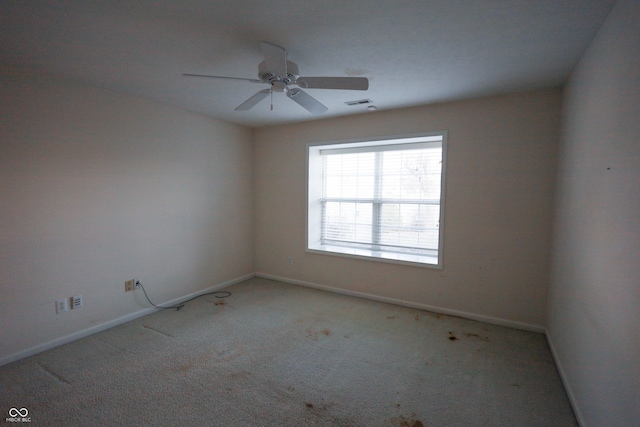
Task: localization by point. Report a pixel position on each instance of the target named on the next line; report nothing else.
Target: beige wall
(594, 302)
(500, 180)
(98, 188)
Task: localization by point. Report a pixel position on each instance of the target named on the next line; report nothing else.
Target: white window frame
(315, 196)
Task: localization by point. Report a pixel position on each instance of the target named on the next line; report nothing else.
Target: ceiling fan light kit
(280, 73)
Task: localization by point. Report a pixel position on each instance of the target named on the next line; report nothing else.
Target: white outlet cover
(62, 305)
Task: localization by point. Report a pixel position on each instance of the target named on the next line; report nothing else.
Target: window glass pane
(409, 225)
(349, 175)
(347, 222)
(412, 174)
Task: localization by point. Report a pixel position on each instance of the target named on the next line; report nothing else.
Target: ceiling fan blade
(275, 57)
(306, 101)
(346, 83)
(223, 77)
(249, 103)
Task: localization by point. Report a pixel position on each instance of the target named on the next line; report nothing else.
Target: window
(379, 199)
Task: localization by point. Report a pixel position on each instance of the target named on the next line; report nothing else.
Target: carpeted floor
(275, 354)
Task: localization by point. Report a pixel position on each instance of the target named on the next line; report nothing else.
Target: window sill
(424, 261)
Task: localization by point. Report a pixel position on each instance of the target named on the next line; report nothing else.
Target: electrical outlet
(76, 301)
(131, 285)
(62, 305)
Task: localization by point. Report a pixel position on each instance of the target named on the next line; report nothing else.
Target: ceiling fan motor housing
(268, 76)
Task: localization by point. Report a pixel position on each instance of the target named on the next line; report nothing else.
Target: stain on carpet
(319, 408)
(452, 337)
(314, 334)
(189, 364)
(407, 422)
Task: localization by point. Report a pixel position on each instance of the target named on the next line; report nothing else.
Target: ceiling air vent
(360, 102)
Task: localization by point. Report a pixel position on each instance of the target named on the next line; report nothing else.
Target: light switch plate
(76, 301)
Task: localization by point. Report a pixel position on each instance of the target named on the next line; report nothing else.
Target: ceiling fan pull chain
(271, 100)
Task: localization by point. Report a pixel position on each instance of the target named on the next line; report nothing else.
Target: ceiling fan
(281, 73)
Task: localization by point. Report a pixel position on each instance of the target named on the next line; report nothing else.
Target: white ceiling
(413, 52)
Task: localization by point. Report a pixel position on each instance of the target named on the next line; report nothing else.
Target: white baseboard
(132, 316)
(565, 382)
(110, 324)
(440, 310)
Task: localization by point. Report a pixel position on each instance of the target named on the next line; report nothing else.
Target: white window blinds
(382, 197)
